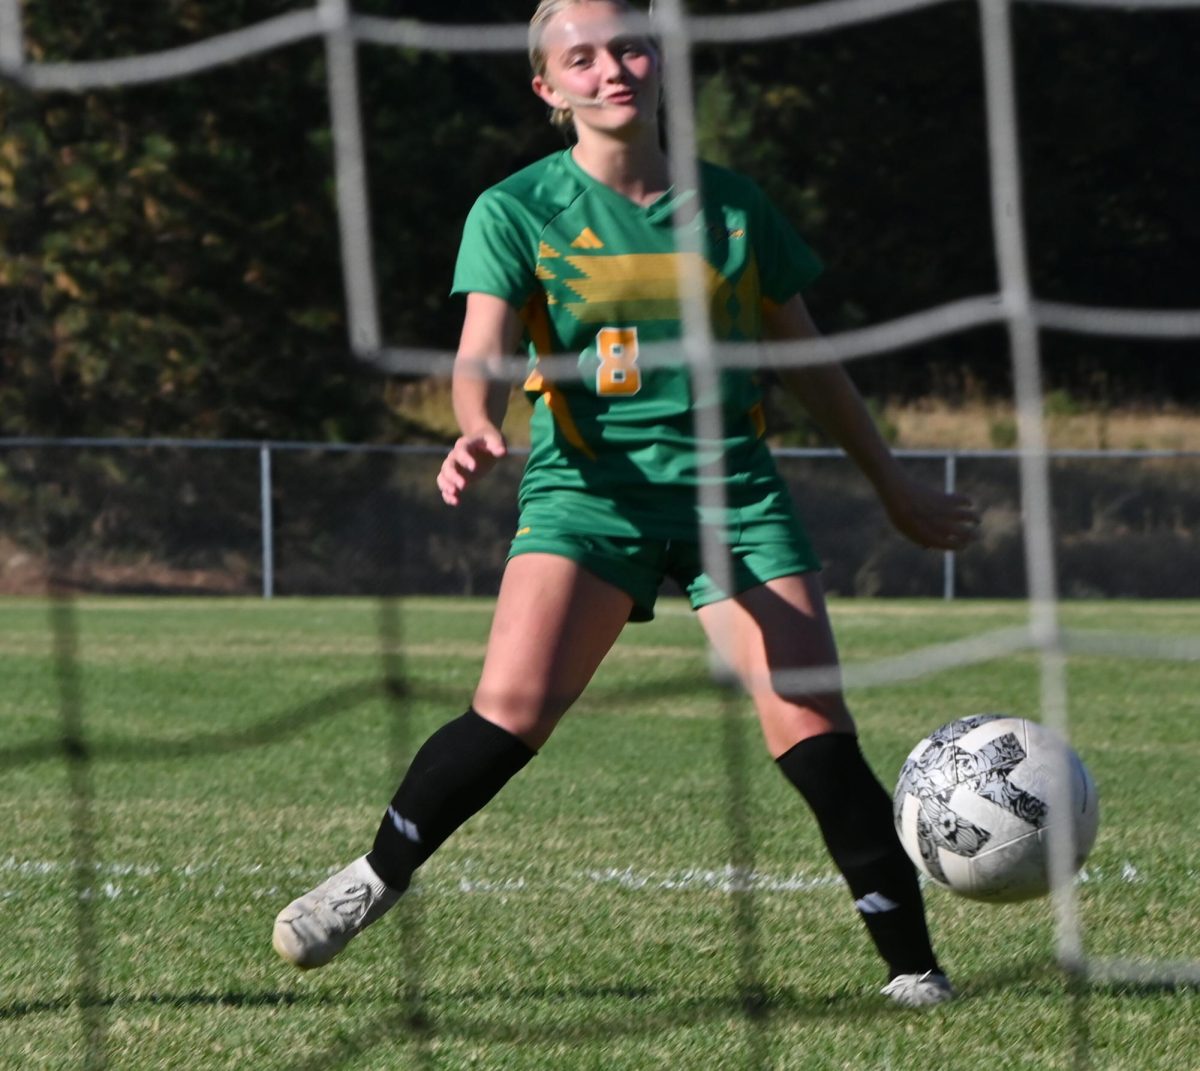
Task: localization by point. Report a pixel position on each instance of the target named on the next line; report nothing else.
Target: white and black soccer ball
(973, 806)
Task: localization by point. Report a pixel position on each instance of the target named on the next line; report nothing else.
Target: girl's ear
(548, 93)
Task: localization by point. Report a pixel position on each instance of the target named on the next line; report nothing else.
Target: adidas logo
(586, 239)
(408, 830)
(876, 904)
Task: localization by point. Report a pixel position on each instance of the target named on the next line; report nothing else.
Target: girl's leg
(554, 623)
(781, 628)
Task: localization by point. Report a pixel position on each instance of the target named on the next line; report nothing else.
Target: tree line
(169, 259)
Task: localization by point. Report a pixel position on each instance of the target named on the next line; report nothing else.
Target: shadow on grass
(68, 1002)
(649, 1013)
(619, 1011)
(278, 727)
(1042, 976)
(269, 731)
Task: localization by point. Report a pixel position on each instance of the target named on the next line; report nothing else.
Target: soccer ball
(973, 806)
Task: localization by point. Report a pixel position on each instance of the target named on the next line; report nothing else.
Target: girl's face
(596, 66)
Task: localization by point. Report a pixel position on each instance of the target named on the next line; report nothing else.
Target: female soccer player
(577, 253)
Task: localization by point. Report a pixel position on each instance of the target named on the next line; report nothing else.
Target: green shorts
(639, 566)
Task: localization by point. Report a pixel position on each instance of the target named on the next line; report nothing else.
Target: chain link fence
(130, 516)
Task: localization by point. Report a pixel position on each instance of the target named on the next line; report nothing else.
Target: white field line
(123, 879)
(1143, 972)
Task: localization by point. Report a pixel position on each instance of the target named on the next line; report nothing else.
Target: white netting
(1014, 304)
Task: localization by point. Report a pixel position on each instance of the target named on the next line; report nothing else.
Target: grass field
(231, 753)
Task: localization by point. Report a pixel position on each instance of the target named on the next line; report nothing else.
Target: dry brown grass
(929, 424)
(983, 425)
(426, 403)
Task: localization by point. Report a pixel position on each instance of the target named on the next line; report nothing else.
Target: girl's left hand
(932, 518)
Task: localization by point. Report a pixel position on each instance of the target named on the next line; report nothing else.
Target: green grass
(240, 750)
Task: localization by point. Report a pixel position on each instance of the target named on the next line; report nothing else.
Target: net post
(1008, 228)
(354, 217)
(267, 521)
(12, 44)
(948, 556)
(671, 24)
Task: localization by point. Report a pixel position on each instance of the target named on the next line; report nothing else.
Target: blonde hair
(546, 10)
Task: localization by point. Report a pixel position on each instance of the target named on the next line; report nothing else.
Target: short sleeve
(498, 252)
(786, 264)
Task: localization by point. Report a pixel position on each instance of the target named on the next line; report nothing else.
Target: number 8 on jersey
(618, 373)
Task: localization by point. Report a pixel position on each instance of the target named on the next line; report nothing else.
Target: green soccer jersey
(595, 274)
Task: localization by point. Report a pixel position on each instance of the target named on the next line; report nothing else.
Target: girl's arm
(924, 514)
(479, 392)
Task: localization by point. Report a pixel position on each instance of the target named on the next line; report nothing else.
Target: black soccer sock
(453, 775)
(855, 817)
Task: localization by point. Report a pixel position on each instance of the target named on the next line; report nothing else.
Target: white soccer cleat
(919, 990)
(310, 931)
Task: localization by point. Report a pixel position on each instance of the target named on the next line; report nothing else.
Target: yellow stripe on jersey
(561, 411)
(537, 327)
(640, 286)
(537, 323)
(758, 418)
(746, 321)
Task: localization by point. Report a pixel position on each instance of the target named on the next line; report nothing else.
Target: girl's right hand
(471, 457)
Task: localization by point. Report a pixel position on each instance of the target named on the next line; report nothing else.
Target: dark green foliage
(170, 255)
(173, 247)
